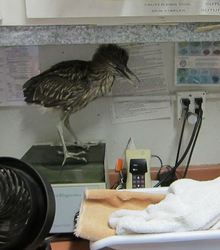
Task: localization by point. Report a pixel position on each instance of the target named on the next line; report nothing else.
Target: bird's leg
(77, 142)
(66, 153)
(69, 128)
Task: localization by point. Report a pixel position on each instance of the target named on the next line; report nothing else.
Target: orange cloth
(99, 204)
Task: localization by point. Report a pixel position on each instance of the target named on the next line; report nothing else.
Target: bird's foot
(87, 145)
(72, 155)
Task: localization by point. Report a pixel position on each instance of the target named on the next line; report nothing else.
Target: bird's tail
(29, 89)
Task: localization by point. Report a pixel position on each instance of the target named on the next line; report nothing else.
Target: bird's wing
(75, 70)
(62, 83)
(55, 91)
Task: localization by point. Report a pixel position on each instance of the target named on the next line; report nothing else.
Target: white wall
(22, 127)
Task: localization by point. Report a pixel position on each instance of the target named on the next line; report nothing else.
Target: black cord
(161, 166)
(171, 174)
(160, 160)
(189, 144)
(193, 146)
(181, 135)
(161, 174)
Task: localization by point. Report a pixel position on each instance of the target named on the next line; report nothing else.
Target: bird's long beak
(128, 74)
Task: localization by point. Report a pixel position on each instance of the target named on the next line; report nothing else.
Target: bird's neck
(103, 79)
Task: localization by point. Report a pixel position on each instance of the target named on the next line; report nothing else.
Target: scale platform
(70, 181)
(47, 160)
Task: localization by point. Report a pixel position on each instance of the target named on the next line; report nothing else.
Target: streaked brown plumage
(71, 85)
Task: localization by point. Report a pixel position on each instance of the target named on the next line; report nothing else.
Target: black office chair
(27, 207)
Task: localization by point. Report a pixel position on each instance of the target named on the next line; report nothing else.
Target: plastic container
(196, 240)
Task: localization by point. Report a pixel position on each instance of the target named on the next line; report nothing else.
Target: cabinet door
(122, 8)
(74, 8)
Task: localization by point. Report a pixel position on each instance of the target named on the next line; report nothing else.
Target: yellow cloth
(99, 204)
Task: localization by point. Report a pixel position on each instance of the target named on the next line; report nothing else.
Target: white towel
(189, 205)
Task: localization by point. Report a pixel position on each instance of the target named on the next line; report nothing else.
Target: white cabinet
(44, 12)
(13, 12)
(123, 8)
(76, 8)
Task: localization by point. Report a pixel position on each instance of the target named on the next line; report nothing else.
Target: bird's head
(114, 59)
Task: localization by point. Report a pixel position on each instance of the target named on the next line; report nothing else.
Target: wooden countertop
(71, 245)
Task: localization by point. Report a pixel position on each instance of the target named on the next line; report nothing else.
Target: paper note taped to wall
(17, 65)
(148, 63)
(132, 109)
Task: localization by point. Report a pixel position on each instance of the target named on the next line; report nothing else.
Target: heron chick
(71, 85)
